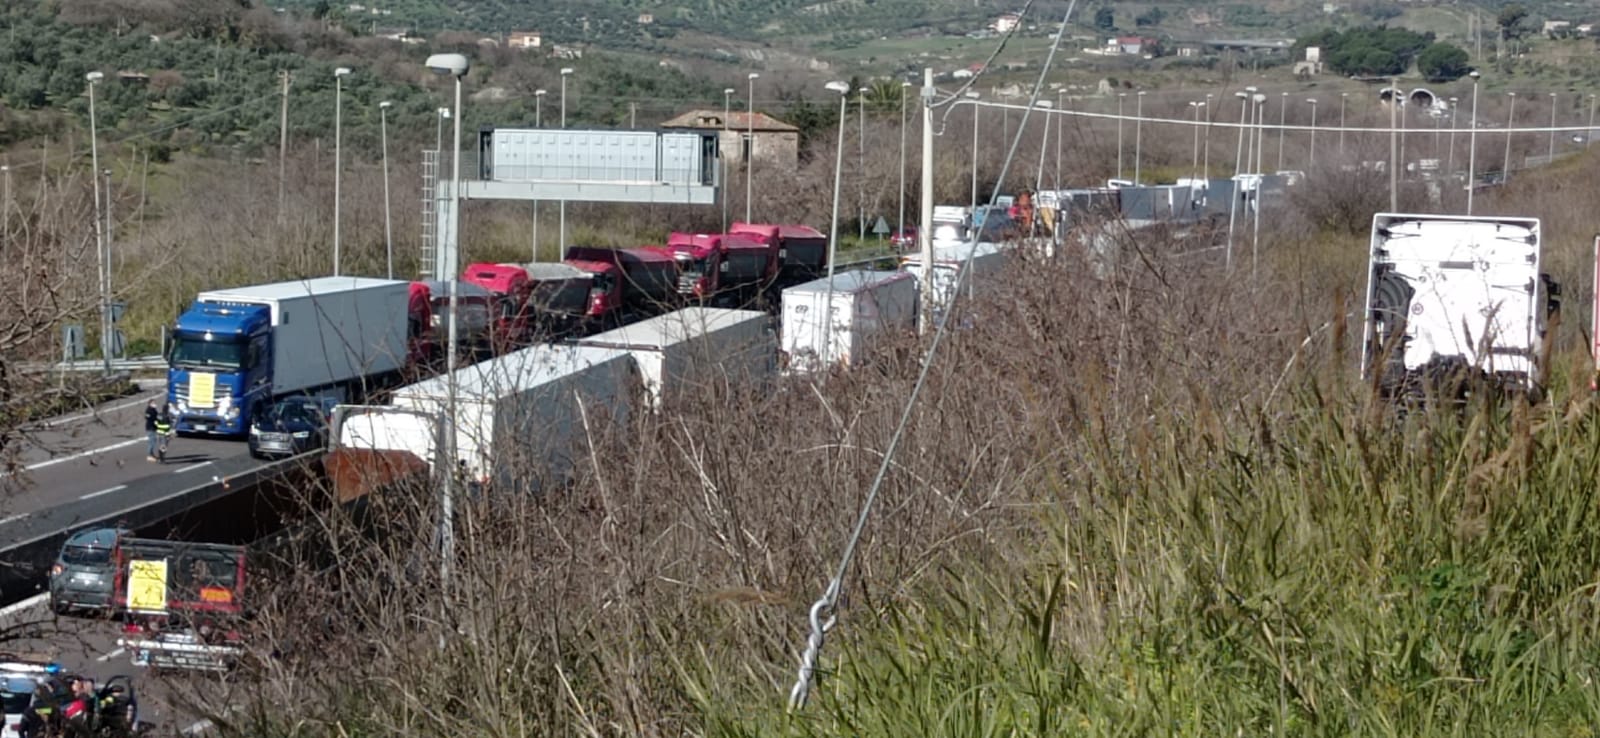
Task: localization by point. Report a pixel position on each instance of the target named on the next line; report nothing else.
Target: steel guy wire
(825, 604)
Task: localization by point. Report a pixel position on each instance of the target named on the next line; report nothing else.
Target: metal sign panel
(572, 155)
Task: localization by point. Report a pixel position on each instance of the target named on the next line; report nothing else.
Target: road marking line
(105, 491)
(107, 657)
(142, 398)
(26, 604)
(192, 468)
(18, 516)
(81, 454)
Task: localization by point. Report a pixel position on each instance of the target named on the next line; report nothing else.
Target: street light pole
(1205, 158)
(1343, 97)
(562, 226)
(1511, 122)
(1120, 97)
(388, 231)
(727, 109)
(538, 122)
(861, 163)
(338, 160)
(843, 88)
(902, 224)
(455, 65)
(1313, 163)
(1551, 156)
(101, 256)
(1450, 166)
(1283, 120)
(750, 136)
(1194, 151)
(1238, 164)
(1589, 134)
(1138, 133)
(1472, 141)
(973, 209)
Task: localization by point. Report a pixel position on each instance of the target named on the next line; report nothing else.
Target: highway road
(100, 453)
(174, 704)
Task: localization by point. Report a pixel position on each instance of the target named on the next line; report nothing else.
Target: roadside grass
(1341, 572)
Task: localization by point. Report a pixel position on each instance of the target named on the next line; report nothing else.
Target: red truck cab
(801, 251)
(715, 265)
(421, 348)
(626, 282)
(511, 287)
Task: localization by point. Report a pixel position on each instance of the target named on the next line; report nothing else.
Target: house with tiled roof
(744, 135)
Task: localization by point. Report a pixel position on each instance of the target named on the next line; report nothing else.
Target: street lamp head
(1241, 95)
(385, 105)
(1473, 74)
(727, 90)
(842, 88)
(1452, 101)
(905, 85)
(753, 75)
(1141, 93)
(1260, 98)
(1251, 89)
(341, 71)
(539, 93)
(444, 113)
(566, 71)
(1311, 100)
(94, 77)
(455, 65)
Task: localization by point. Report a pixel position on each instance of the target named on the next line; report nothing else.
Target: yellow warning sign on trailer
(147, 585)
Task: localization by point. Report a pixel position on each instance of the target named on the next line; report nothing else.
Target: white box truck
(517, 417)
(684, 350)
(865, 304)
(987, 259)
(1451, 298)
(234, 351)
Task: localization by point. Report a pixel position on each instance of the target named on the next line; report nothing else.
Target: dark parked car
(291, 427)
(82, 575)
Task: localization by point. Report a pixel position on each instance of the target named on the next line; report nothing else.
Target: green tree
(1151, 17)
(1510, 21)
(1105, 19)
(1442, 62)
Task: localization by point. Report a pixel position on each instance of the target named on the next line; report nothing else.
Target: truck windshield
(196, 351)
(695, 268)
(16, 693)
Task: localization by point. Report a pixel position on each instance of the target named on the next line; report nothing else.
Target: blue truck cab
(219, 366)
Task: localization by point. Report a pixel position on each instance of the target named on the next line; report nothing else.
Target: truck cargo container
(518, 419)
(987, 259)
(1454, 298)
(865, 305)
(685, 350)
(627, 283)
(236, 350)
(802, 250)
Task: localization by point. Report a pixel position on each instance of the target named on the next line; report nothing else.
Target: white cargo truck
(1452, 298)
(518, 417)
(948, 259)
(234, 351)
(687, 349)
(865, 304)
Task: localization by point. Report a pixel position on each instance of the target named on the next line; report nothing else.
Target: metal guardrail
(118, 366)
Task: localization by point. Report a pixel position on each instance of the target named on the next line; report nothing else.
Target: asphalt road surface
(173, 704)
(100, 453)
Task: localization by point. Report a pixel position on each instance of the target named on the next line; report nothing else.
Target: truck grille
(686, 283)
(181, 392)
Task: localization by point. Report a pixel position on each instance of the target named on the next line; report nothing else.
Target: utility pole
(861, 164)
(925, 226)
(283, 135)
(5, 205)
(633, 114)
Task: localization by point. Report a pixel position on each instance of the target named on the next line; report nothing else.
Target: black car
(291, 427)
